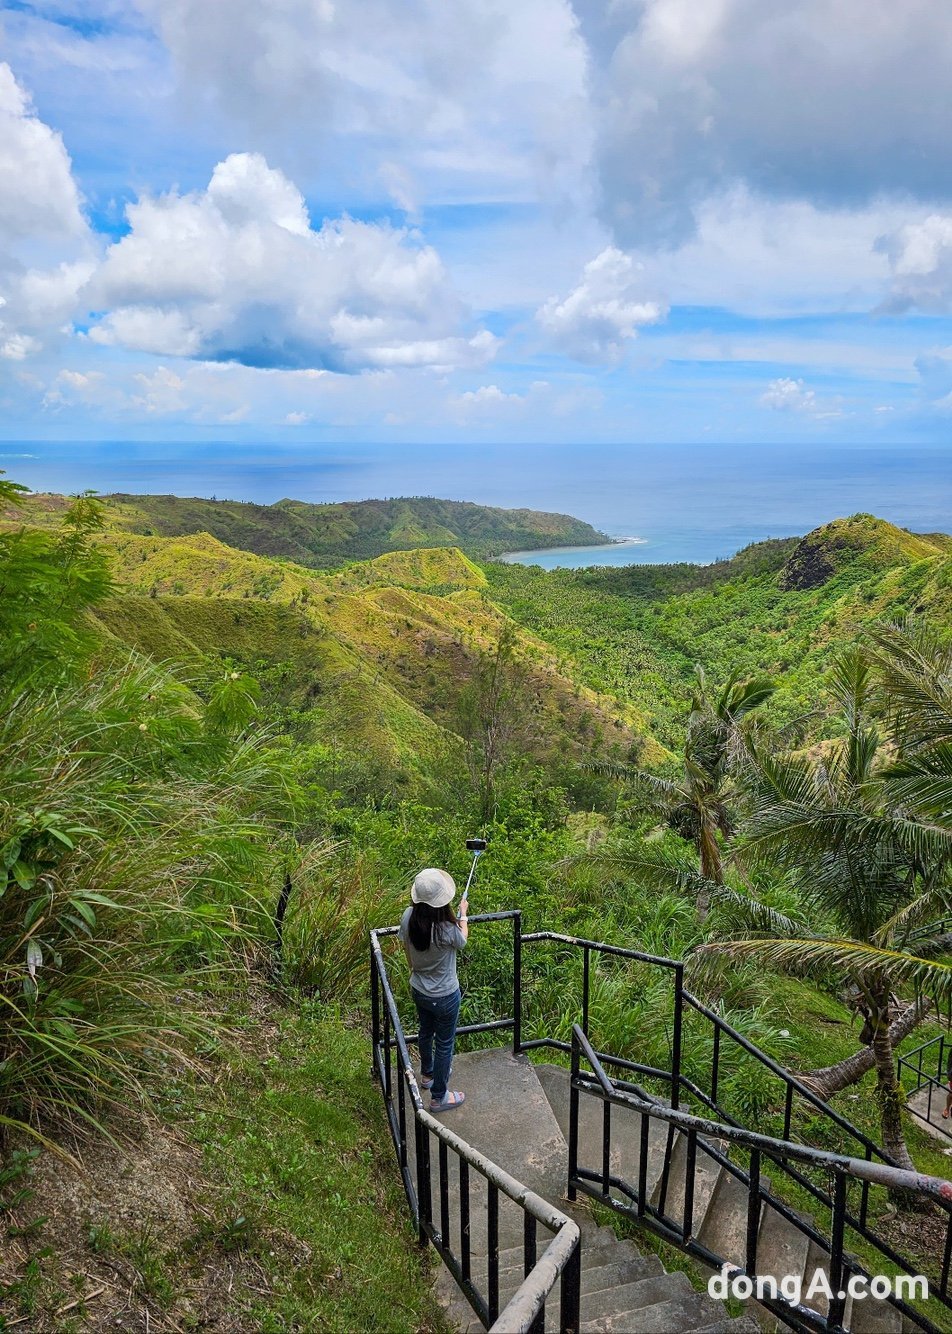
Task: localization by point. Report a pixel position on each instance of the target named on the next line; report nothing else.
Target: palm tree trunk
(712, 868)
(832, 1079)
(889, 1093)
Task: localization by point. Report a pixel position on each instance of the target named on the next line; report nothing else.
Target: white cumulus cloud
(788, 395)
(237, 273)
(458, 96)
(45, 244)
(920, 258)
(602, 312)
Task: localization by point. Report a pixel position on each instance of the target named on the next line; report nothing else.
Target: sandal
(450, 1100)
(426, 1081)
(945, 1114)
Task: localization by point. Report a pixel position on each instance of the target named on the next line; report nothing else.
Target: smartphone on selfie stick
(477, 846)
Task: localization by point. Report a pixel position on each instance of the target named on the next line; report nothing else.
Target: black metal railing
(804, 1174)
(927, 1067)
(829, 1181)
(715, 1141)
(560, 1260)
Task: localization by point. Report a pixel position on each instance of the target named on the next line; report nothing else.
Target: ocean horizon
(696, 503)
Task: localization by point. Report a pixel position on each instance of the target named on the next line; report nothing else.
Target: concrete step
(724, 1229)
(742, 1324)
(684, 1312)
(872, 1316)
(816, 1259)
(781, 1247)
(626, 1129)
(635, 1301)
(599, 1291)
(706, 1175)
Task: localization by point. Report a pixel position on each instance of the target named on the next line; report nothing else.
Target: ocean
(683, 503)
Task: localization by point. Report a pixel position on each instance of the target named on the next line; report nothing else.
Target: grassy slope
(324, 536)
(263, 1201)
(630, 634)
(401, 632)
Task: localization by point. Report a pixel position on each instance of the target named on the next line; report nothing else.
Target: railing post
(464, 1236)
(424, 1196)
(585, 988)
(402, 1117)
(643, 1165)
(606, 1147)
(374, 1010)
(573, 1120)
(387, 1073)
(571, 1292)
(676, 1036)
(444, 1170)
(753, 1213)
(834, 1318)
(517, 983)
(690, 1167)
(492, 1251)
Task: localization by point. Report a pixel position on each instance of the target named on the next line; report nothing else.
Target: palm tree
(698, 806)
(867, 868)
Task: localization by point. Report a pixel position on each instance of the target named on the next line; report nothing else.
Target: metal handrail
(561, 1258)
(757, 1146)
(682, 995)
(876, 1168)
(912, 1061)
(878, 1174)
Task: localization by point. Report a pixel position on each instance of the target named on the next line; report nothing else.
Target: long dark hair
(423, 918)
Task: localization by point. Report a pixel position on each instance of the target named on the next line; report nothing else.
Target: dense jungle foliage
(186, 724)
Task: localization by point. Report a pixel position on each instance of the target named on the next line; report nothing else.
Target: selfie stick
(477, 846)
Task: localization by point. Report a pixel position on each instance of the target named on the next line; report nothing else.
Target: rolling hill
(781, 607)
(376, 655)
(326, 536)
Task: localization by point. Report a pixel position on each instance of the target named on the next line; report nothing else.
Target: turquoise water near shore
(576, 558)
(689, 502)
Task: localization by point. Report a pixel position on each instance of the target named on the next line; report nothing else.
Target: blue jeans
(438, 1016)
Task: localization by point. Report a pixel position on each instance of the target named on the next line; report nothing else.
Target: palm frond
(850, 958)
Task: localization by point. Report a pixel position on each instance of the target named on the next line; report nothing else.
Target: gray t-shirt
(433, 971)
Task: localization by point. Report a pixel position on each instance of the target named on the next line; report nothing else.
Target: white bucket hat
(436, 888)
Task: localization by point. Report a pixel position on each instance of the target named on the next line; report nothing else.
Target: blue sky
(358, 220)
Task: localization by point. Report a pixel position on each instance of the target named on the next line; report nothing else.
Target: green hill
(837, 546)
(376, 655)
(779, 607)
(325, 536)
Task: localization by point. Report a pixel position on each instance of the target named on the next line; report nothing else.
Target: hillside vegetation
(782, 608)
(187, 728)
(325, 536)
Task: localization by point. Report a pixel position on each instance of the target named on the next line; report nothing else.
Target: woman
(431, 934)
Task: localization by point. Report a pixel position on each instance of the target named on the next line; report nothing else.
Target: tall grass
(339, 894)
(134, 855)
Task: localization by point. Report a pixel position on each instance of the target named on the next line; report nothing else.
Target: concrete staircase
(720, 1201)
(508, 1116)
(517, 1114)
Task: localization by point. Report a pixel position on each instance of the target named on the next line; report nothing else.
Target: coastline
(531, 557)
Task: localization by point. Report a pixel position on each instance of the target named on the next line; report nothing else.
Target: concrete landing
(507, 1116)
(929, 1113)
